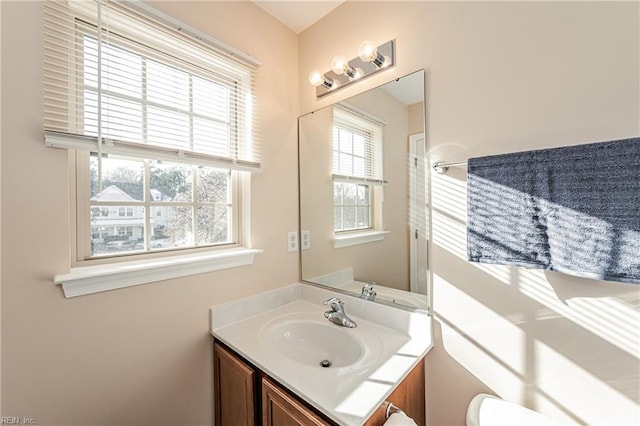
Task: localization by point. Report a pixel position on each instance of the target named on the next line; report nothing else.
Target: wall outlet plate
(292, 241)
(305, 240)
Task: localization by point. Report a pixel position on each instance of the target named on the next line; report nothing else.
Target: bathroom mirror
(363, 183)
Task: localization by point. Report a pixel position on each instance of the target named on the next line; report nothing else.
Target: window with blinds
(162, 124)
(357, 169)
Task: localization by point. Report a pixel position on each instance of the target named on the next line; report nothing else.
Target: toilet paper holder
(392, 409)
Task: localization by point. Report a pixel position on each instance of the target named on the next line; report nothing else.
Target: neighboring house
(117, 222)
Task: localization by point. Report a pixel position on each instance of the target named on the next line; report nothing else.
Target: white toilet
(488, 410)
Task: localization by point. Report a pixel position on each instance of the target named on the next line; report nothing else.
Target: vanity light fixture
(316, 78)
(368, 52)
(370, 60)
(340, 65)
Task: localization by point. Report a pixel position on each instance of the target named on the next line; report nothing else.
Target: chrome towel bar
(441, 167)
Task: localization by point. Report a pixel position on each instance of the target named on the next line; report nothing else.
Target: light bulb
(339, 64)
(316, 78)
(367, 51)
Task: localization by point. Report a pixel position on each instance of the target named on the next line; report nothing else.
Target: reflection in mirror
(363, 213)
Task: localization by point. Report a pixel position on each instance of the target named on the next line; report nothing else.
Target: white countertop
(396, 340)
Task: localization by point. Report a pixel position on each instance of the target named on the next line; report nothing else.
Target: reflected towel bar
(441, 167)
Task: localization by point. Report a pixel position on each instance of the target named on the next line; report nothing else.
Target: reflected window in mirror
(357, 169)
(335, 179)
(351, 206)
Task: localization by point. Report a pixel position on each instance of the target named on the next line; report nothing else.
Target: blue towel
(572, 209)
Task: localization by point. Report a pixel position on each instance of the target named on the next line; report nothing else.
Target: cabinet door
(279, 408)
(234, 389)
(408, 396)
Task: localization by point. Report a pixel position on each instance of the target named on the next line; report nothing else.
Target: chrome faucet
(368, 292)
(336, 314)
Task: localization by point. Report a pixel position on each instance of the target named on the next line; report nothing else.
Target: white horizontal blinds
(357, 147)
(144, 88)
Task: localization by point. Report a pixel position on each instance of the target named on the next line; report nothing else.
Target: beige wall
(416, 118)
(141, 355)
(385, 262)
(501, 77)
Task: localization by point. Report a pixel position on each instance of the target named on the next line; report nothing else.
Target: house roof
(112, 193)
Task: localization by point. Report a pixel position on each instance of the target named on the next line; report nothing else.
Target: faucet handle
(368, 292)
(335, 303)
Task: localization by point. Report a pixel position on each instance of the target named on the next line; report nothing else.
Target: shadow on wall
(565, 346)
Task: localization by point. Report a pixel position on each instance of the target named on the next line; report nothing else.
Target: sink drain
(325, 363)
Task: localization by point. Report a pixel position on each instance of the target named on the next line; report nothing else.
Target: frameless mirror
(363, 215)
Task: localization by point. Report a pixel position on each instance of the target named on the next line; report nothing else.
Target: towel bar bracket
(441, 167)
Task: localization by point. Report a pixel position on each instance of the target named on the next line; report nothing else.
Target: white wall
(141, 355)
(501, 77)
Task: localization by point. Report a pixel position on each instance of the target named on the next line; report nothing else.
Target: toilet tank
(488, 410)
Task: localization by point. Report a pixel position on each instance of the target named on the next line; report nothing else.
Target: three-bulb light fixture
(370, 60)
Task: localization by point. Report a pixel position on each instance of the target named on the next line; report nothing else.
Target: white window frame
(95, 275)
(84, 203)
(358, 206)
(371, 127)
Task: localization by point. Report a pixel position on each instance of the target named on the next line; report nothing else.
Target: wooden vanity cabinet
(234, 389)
(280, 408)
(245, 396)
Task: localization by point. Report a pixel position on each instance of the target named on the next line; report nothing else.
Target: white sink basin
(314, 343)
(285, 334)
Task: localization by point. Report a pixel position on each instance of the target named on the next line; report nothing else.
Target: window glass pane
(349, 217)
(211, 99)
(213, 225)
(363, 217)
(211, 137)
(168, 128)
(350, 193)
(178, 228)
(170, 182)
(172, 227)
(362, 194)
(214, 185)
(122, 180)
(337, 193)
(337, 218)
(167, 85)
(117, 232)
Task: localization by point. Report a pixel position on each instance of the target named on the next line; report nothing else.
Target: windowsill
(352, 239)
(93, 279)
